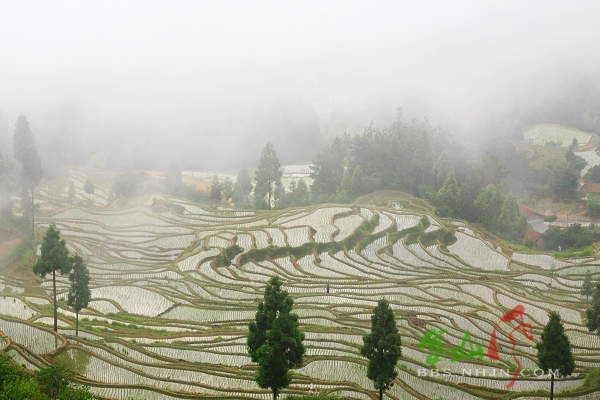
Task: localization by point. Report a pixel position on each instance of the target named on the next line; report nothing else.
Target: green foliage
(587, 288)
(360, 237)
(586, 252)
(511, 222)
(564, 181)
(274, 340)
(26, 153)
(243, 178)
(592, 379)
(88, 186)
(9, 371)
(575, 236)
(593, 205)
(174, 186)
(53, 379)
(441, 235)
(76, 393)
(554, 349)
(54, 257)
(328, 169)
(268, 177)
(551, 218)
(298, 196)
(593, 313)
(227, 255)
(79, 292)
(216, 190)
(382, 347)
(128, 184)
(489, 204)
(593, 174)
(26, 389)
(443, 166)
(447, 196)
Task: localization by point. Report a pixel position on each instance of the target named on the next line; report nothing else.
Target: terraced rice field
(168, 321)
(560, 135)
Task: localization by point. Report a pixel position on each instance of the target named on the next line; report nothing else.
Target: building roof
(529, 213)
(538, 225)
(533, 235)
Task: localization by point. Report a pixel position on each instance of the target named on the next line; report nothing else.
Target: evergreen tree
(564, 181)
(328, 170)
(216, 190)
(54, 257)
(383, 347)
(26, 153)
(88, 186)
(268, 177)
(554, 350)
(511, 221)
(467, 193)
(593, 313)
(422, 161)
(443, 166)
(587, 287)
(489, 203)
(227, 189)
(243, 178)
(447, 196)
(79, 293)
(54, 379)
(72, 193)
(274, 340)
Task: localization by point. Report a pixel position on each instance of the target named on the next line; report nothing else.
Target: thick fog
(208, 83)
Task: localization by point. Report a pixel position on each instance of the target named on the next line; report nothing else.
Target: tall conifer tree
(383, 347)
(274, 340)
(268, 176)
(55, 257)
(79, 293)
(554, 350)
(26, 153)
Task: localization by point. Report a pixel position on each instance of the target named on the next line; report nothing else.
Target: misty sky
(198, 73)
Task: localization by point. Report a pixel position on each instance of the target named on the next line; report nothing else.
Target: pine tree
(274, 340)
(216, 190)
(587, 287)
(554, 350)
(511, 221)
(243, 178)
(55, 257)
(447, 196)
(593, 313)
(383, 347)
(268, 176)
(88, 186)
(26, 153)
(79, 293)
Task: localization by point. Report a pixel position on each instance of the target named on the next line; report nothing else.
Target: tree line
(412, 157)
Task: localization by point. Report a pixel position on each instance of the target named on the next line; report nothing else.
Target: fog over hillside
(208, 83)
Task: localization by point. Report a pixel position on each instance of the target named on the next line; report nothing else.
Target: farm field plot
(560, 135)
(169, 317)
